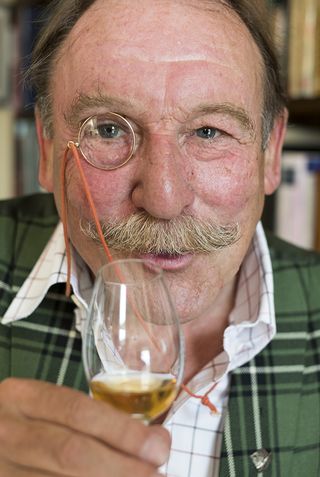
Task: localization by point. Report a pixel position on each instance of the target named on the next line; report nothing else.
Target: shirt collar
(50, 269)
(252, 321)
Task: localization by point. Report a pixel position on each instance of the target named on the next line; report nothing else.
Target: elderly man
(191, 92)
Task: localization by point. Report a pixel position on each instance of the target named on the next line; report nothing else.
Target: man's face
(173, 69)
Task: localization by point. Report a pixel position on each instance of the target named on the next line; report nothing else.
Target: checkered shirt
(273, 403)
(196, 433)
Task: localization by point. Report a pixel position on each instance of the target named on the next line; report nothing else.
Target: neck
(204, 335)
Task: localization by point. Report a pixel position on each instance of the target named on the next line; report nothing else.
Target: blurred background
(293, 212)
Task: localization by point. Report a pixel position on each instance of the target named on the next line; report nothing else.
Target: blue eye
(109, 131)
(207, 132)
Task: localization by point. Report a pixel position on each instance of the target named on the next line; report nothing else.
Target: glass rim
(158, 271)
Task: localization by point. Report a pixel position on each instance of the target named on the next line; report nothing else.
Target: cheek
(109, 190)
(232, 183)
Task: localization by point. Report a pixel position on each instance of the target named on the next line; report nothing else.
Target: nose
(162, 187)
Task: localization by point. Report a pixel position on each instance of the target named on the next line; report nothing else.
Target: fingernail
(155, 450)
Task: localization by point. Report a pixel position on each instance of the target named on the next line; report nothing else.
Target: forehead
(160, 44)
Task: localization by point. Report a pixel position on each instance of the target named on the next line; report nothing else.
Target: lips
(168, 262)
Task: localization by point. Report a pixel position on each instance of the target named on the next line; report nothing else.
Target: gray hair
(64, 14)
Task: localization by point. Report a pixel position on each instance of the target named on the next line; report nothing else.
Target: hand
(46, 430)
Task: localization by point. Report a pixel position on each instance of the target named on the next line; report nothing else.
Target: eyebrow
(83, 102)
(235, 112)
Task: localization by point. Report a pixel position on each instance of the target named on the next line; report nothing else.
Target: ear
(272, 154)
(46, 155)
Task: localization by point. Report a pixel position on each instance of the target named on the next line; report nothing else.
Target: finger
(10, 470)
(77, 411)
(49, 449)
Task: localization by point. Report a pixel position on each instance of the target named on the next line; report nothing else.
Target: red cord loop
(73, 147)
(204, 399)
(206, 402)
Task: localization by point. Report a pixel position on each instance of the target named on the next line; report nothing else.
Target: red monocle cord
(74, 150)
(204, 399)
(64, 219)
(76, 156)
(72, 146)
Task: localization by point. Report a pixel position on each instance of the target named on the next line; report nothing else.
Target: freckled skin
(167, 60)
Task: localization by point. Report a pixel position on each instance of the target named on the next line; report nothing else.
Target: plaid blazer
(274, 399)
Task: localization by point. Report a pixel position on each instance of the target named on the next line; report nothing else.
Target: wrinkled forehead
(163, 59)
(161, 31)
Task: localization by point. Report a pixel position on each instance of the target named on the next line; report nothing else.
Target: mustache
(142, 233)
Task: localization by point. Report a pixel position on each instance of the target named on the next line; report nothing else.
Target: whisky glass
(133, 348)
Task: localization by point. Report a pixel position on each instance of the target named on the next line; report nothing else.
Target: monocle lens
(107, 141)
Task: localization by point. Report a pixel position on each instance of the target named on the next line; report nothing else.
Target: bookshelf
(297, 34)
(305, 111)
(18, 145)
(6, 114)
(293, 211)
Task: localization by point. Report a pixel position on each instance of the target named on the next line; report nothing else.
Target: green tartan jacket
(274, 399)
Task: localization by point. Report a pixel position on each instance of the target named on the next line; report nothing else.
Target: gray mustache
(142, 233)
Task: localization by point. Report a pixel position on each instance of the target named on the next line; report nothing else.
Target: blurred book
(28, 22)
(279, 29)
(5, 54)
(296, 199)
(304, 48)
(7, 170)
(27, 157)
